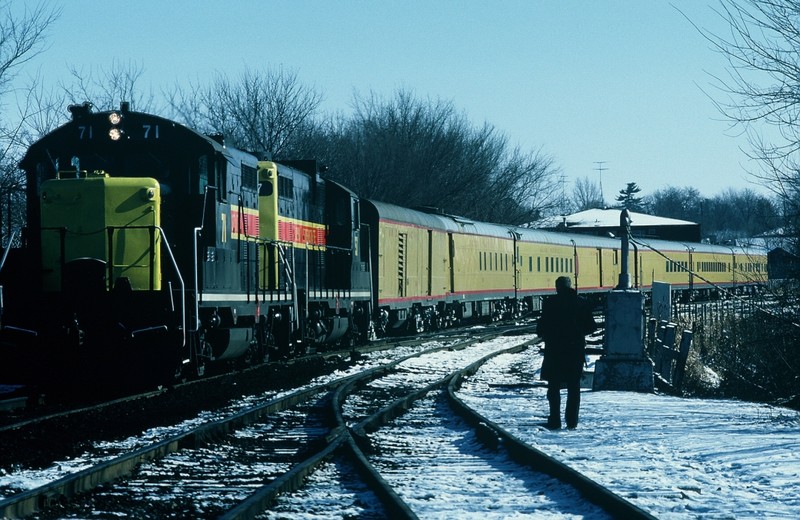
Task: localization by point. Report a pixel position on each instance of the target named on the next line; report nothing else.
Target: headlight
(115, 134)
(114, 118)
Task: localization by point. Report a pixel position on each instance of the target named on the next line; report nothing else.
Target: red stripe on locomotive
(301, 234)
(249, 221)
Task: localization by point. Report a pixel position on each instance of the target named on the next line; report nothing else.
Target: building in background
(605, 222)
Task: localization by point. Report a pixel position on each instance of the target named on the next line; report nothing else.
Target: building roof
(606, 218)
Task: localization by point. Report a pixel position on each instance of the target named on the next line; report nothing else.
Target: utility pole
(600, 168)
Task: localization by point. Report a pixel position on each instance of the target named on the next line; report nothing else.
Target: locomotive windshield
(116, 165)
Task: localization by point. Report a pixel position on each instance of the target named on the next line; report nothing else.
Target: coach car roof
(446, 223)
(453, 224)
(411, 217)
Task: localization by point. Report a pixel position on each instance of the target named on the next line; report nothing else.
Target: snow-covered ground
(677, 458)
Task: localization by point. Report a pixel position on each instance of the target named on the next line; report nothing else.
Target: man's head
(563, 284)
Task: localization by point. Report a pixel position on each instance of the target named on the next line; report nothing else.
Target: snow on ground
(15, 480)
(677, 458)
(437, 465)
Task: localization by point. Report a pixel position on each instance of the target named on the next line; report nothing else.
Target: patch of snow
(675, 457)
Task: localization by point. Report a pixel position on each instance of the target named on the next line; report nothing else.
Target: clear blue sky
(585, 81)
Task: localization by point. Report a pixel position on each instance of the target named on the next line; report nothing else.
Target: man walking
(565, 321)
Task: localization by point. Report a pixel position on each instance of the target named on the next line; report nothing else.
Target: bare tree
(423, 152)
(43, 108)
(40, 109)
(523, 189)
(587, 195)
(730, 215)
(22, 38)
(105, 88)
(763, 91)
(261, 111)
(680, 203)
(737, 214)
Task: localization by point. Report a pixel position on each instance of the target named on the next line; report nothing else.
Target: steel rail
(520, 452)
(34, 500)
(341, 441)
(31, 501)
(527, 455)
(360, 440)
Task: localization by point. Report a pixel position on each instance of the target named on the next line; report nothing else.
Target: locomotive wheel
(255, 355)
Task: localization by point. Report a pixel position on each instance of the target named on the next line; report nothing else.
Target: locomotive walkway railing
(109, 260)
(7, 249)
(165, 243)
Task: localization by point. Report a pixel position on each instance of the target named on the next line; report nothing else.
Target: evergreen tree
(627, 198)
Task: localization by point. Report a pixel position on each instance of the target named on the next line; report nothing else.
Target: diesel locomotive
(152, 251)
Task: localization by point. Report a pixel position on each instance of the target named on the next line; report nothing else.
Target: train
(153, 252)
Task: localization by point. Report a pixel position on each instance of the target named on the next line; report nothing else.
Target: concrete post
(624, 364)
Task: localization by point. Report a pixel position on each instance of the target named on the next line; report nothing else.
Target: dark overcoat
(565, 321)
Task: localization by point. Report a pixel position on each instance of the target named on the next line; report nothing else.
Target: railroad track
(327, 433)
(425, 446)
(114, 465)
(17, 410)
(50, 435)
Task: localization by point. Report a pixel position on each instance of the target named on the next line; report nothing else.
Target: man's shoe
(553, 424)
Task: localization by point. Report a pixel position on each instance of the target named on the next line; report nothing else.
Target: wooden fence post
(666, 351)
(683, 355)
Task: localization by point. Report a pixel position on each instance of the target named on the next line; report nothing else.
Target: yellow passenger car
(432, 269)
